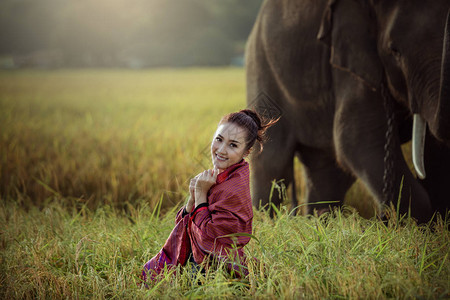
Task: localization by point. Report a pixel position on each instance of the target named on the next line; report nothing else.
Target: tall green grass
(60, 253)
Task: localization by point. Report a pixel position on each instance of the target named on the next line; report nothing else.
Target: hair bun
(254, 116)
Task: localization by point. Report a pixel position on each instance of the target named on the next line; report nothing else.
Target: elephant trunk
(441, 123)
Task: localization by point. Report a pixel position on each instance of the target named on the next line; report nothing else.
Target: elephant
(352, 81)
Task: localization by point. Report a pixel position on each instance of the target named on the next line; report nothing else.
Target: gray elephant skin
(347, 77)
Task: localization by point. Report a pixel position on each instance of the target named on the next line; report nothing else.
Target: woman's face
(228, 146)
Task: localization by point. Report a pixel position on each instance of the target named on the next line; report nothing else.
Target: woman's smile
(221, 158)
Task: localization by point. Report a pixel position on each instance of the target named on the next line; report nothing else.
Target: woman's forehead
(231, 131)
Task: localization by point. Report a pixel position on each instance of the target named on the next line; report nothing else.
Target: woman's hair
(251, 121)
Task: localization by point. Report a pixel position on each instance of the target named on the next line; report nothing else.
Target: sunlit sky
(110, 31)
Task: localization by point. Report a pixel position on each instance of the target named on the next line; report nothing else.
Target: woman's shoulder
(242, 174)
(236, 182)
(239, 175)
(234, 192)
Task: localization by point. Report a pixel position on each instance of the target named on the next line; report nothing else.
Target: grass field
(109, 136)
(94, 163)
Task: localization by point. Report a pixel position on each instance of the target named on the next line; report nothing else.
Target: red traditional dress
(201, 233)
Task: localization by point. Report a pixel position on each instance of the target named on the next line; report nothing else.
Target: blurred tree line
(124, 33)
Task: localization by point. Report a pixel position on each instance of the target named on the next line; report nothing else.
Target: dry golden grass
(109, 136)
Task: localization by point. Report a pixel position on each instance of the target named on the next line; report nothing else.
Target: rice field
(116, 137)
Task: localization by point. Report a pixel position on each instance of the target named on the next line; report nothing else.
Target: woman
(219, 204)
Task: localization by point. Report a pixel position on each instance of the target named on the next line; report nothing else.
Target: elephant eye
(394, 50)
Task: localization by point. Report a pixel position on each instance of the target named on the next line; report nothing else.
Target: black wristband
(199, 206)
(184, 213)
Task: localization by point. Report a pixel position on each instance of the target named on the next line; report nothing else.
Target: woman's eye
(232, 145)
(218, 139)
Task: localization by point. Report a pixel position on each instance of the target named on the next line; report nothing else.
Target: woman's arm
(230, 211)
(232, 215)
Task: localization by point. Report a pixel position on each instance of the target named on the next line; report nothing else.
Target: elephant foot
(322, 211)
(319, 210)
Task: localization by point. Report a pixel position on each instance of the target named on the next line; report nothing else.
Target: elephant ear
(349, 30)
(326, 24)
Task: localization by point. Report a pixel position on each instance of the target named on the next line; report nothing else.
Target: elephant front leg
(326, 182)
(274, 163)
(359, 135)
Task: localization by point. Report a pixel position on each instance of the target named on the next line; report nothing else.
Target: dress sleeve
(230, 214)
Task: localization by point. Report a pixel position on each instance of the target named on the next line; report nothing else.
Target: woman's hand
(191, 201)
(205, 181)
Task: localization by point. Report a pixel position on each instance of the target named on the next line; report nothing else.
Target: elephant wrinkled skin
(325, 65)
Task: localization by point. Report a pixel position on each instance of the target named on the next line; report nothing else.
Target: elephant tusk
(418, 145)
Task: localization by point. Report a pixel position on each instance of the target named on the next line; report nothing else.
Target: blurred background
(115, 101)
(124, 33)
